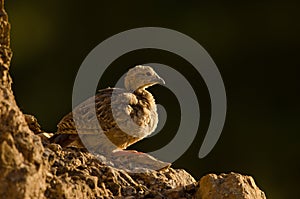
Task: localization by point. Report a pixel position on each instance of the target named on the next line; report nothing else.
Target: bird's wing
(97, 114)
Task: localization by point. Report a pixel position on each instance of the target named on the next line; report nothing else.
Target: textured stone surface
(75, 173)
(21, 164)
(229, 186)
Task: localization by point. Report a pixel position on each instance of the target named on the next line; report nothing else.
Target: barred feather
(123, 116)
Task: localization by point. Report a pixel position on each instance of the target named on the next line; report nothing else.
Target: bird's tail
(63, 140)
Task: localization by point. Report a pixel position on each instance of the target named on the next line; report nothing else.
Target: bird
(122, 116)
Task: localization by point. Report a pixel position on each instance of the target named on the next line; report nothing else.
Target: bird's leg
(126, 152)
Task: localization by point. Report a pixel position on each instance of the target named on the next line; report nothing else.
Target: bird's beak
(160, 80)
(155, 80)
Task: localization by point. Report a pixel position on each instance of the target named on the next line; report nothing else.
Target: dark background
(255, 46)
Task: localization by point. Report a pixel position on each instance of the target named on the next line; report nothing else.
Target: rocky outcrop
(230, 186)
(76, 173)
(21, 164)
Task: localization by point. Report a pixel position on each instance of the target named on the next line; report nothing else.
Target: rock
(36, 168)
(75, 173)
(229, 186)
(22, 166)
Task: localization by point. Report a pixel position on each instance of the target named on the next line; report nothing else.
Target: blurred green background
(254, 44)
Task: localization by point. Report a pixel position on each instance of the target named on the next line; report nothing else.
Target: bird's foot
(134, 161)
(120, 152)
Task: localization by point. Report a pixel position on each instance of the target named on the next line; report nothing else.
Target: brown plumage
(123, 116)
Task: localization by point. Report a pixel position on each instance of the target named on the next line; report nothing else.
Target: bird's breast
(137, 119)
(123, 117)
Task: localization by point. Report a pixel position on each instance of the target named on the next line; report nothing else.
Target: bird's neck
(144, 95)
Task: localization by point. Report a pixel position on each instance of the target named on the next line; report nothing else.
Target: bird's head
(141, 77)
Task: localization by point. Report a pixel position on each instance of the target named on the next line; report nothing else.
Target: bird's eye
(148, 74)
